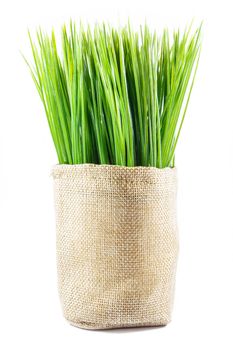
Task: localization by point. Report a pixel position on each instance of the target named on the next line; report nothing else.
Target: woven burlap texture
(117, 244)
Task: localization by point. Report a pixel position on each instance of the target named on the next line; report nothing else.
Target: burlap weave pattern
(117, 244)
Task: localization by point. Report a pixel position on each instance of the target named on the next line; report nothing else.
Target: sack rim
(93, 165)
(137, 173)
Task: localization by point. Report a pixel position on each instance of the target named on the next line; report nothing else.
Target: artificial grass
(115, 96)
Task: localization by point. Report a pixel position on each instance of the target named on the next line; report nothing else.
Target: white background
(30, 314)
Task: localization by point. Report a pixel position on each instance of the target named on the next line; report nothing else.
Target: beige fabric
(117, 244)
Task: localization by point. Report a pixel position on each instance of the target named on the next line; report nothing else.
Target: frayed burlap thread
(117, 244)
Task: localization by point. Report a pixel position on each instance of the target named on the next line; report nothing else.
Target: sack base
(93, 326)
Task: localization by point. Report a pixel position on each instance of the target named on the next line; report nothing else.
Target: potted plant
(115, 102)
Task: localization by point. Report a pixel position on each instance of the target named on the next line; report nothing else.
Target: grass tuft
(115, 96)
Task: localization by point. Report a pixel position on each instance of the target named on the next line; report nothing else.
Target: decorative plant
(115, 96)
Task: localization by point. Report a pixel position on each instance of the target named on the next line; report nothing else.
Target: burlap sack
(117, 244)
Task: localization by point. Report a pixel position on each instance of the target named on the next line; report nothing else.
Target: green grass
(115, 96)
